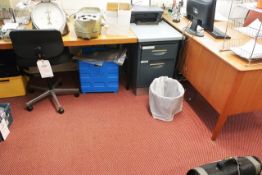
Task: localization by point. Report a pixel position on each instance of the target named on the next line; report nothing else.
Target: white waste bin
(165, 98)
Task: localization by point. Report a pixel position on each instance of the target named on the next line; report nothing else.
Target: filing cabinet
(150, 60)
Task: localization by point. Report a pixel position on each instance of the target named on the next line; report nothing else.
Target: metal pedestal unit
(154, 55)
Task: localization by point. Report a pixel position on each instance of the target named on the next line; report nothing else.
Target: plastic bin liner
(165, 98)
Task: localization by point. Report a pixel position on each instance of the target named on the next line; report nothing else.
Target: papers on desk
(245, 51)
(220, 17)
(252, 29)
(251, 6)
(9, 26)
(6, 29)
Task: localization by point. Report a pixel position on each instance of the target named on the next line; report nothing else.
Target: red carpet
(109, 133)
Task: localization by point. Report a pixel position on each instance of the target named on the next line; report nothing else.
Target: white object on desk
(22, 12)
(252, 30)
(245, 51)
(251, 6)
(48, 15)
(9, 26)
(220, 17)
(117, 17)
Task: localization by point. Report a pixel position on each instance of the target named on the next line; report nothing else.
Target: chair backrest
(27, 42)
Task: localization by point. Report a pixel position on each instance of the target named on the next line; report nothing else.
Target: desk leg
(128, 67)
(220, 123)
(227, 110)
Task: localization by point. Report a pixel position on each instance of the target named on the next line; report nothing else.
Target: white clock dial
(48, 16)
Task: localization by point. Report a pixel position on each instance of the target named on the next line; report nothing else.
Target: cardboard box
(118, 17)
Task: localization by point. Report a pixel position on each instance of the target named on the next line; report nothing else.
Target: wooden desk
(71, 39)
(228, 83)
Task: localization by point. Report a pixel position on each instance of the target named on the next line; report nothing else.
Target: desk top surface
(158, 32)
(71, 39)
(215, 45)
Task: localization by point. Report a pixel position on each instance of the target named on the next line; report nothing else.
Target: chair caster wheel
(29, 108)
(60, 110)
(77, 94)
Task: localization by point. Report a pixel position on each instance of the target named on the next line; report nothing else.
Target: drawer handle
(159, 52)
(4, 81)
(157, 65)
(144, 62)
(148, 47)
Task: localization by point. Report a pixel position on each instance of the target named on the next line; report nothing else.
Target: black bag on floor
(249, 165)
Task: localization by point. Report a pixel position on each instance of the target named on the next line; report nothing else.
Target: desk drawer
(154, 69)
(161, 51)
(12, 86)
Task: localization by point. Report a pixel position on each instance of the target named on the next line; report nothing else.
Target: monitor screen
(202, 13)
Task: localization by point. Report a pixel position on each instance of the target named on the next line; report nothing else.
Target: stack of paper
(9, 26)
(250, 50)
(252, 30)
(220, 17)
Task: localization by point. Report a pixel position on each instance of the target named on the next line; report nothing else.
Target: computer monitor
(202, 13)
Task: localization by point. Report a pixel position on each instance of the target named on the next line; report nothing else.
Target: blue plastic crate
(95, 78)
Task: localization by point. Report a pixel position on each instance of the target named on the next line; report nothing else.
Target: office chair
(32, 45)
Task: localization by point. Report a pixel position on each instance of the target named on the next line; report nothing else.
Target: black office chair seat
(62, 58)
(33, 45)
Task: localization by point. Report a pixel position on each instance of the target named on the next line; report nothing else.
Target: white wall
(102, 3)
(77, 4)
(73, 5)
(8, 3)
